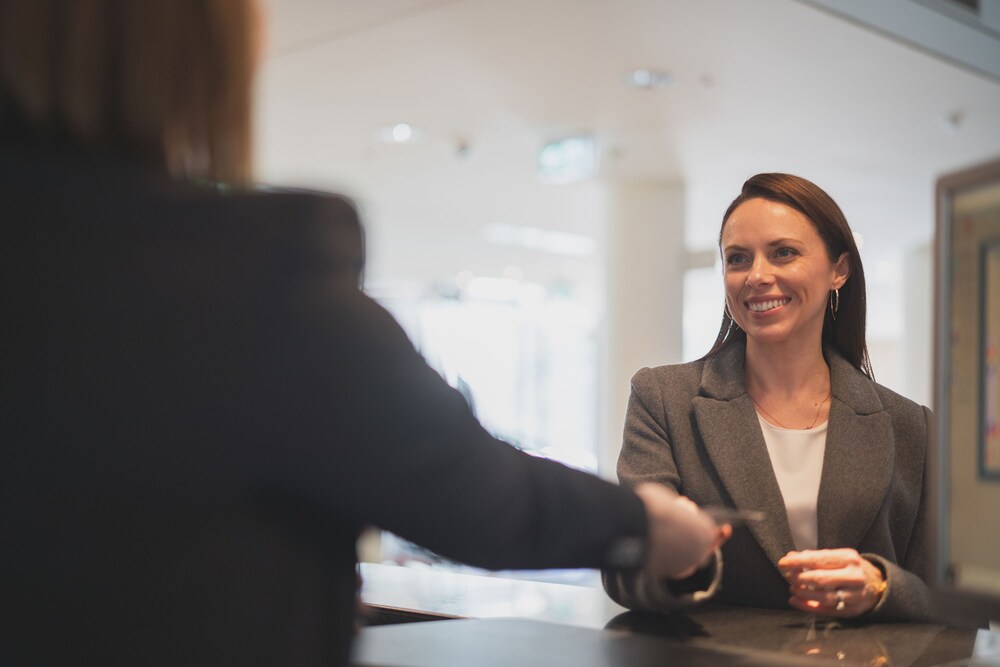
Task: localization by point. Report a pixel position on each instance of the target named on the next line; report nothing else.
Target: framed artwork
(989, 400)
(969, 305)
(965, 461)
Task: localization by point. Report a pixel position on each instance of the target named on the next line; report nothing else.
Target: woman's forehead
(762, 220)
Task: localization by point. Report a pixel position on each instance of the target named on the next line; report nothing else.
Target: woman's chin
(773, 334)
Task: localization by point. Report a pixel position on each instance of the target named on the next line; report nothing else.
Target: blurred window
(525, 359)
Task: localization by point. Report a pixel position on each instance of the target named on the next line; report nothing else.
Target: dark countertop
(797, 633)
(505, 642)
(396, 594)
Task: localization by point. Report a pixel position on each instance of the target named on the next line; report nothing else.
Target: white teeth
(767, 305)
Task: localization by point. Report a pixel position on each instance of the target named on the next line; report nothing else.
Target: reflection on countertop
(796, 633)
(425, 593)
(395, 594)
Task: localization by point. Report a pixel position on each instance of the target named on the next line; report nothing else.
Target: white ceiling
(767, 85)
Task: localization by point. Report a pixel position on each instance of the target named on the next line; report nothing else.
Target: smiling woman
(783, 198)
(783, 416)
(779, 275)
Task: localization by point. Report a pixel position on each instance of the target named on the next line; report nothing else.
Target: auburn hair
(167, 81)
(846, 331)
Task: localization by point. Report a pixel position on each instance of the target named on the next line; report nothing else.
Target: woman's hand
(832, 582)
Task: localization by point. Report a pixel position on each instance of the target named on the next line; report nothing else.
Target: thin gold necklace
(767, 414)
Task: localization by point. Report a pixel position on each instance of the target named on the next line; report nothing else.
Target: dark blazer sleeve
(381, 439)
(647, 456)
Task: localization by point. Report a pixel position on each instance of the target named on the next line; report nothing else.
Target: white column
(645, 261)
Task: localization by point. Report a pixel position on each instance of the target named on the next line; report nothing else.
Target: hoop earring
(834, 302)
(732, 321)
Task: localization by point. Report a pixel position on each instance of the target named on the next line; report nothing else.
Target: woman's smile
(767, 306)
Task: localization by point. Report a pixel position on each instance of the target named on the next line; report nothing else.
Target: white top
(797, 459)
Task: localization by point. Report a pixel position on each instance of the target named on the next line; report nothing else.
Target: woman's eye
(785, 252)
(735, 259)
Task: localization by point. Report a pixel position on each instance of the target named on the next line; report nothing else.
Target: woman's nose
(760, 273)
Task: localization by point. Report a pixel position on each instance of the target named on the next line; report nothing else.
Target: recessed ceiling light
(649, 78)
(400, 133)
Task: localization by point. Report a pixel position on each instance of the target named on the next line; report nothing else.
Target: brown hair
(167, 81)
(847, 332)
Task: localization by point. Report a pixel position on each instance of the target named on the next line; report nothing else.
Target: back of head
(150, 347)
(164, 81)
(846, 330)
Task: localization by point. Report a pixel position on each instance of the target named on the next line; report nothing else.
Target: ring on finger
(841, 603)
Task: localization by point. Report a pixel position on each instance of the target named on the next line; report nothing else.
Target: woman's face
(777, 272)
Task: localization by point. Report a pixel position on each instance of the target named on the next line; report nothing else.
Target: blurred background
(542, 181)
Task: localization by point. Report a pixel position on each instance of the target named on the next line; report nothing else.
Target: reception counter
(485, 621)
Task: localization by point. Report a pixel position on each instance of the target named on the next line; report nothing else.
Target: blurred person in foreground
(782, 416)
(200, 407)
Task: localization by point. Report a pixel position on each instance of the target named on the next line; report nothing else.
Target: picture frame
(989, 382)
(964, 467)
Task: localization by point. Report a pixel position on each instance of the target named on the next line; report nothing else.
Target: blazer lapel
(859, 458)
(727, 423)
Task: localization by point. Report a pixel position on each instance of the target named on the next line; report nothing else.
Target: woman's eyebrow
(770, 244)
(783, 241)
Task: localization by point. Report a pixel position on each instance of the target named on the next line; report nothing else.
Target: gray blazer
(693, 427)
